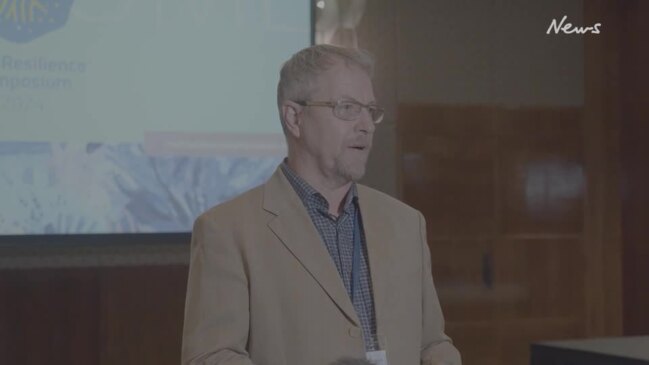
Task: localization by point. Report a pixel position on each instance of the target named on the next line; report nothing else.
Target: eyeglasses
(348, 110)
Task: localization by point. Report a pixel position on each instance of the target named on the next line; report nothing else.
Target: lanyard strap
(356, 256)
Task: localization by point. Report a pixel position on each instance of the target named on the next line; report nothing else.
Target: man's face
(339, 148)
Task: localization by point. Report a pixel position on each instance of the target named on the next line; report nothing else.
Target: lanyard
(356, 255)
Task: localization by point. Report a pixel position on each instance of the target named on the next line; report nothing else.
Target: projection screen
(134, 116)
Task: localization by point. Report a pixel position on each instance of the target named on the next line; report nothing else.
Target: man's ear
(291, 117)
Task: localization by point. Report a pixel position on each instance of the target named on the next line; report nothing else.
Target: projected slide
(134, 116)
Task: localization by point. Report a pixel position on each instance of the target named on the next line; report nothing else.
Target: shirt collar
(310, 196)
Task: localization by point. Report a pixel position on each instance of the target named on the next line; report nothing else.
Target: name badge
(377, 357)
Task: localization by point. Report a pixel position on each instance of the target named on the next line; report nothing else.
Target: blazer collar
(294, 228)
(380, 238)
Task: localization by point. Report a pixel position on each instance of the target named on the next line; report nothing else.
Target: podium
(599, 351)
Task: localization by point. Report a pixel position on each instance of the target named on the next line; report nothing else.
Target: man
(311, 266)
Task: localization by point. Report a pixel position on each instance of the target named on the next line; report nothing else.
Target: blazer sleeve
(436, 347)
(216, 308)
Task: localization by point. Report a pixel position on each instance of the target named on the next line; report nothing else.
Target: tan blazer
(263, 289)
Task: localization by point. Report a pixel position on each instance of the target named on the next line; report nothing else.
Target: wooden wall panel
(478, 342)
(516, 336)
(543, 277)
(503, 191)
(448, 167)
(142, 315)
(49, 317)
(92, 315)
(634, 87)
(540, 171)
(460, 278)
(602, 120)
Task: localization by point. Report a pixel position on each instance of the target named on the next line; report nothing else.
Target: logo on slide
(22, 21)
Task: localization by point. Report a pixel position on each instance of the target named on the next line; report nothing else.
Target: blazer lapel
(294, 228)
(378, 238)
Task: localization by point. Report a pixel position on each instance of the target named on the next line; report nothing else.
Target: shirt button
(355, 332)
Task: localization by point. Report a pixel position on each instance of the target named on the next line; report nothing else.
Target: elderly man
(311, 266)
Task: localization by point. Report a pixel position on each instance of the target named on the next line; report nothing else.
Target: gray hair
(298, 73)
(351, 361)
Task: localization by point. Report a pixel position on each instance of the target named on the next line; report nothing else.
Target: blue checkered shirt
(338, 236)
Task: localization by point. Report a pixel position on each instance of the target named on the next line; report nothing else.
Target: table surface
(636, 347)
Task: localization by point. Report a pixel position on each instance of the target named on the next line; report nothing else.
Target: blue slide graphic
(22, 21)
(114, 188)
